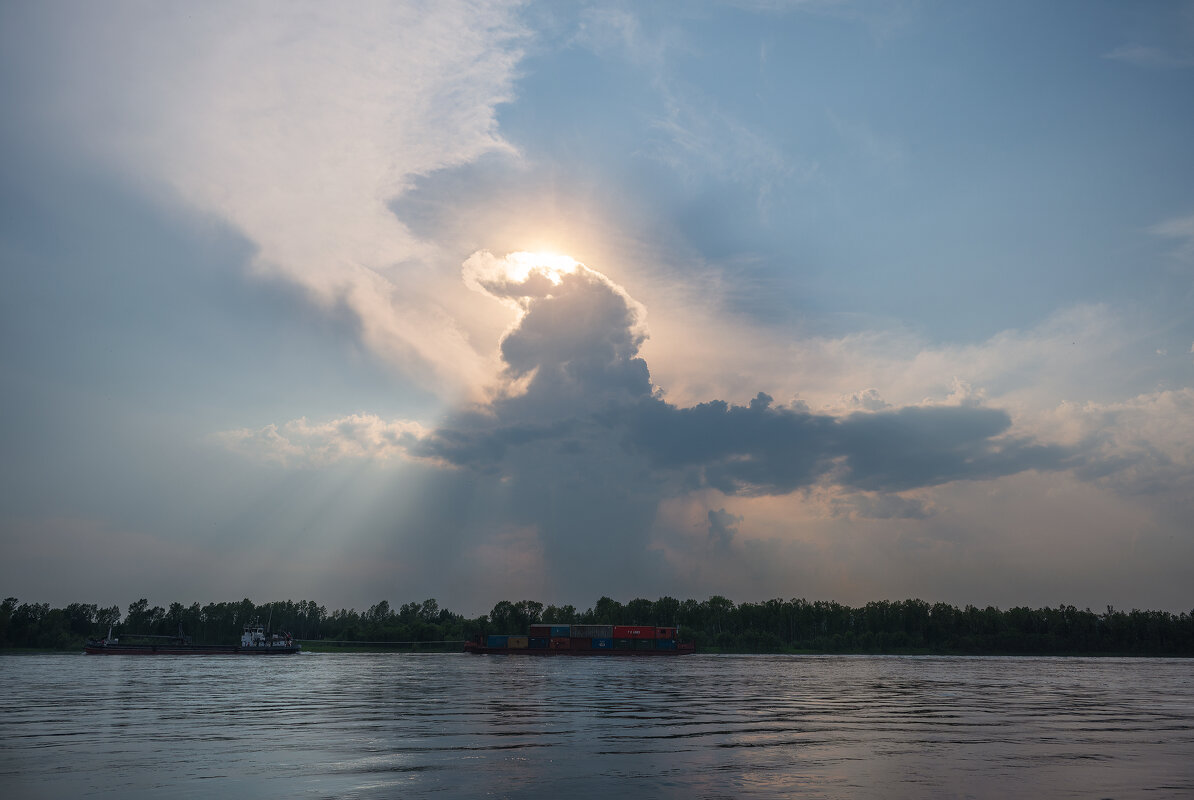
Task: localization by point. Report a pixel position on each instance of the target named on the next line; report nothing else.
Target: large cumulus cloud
(574, 356)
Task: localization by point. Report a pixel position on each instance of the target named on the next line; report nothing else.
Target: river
(703, 726)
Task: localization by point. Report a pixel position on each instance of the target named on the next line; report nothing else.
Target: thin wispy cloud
(298, 129)
(301, 443)
(884, 151)
(1181, 231)
(1150, 56)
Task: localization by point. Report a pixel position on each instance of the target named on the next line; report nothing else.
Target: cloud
(693, 135)
(866, 400)
(760, 449)
(297, 125)
(302, 443)
(1089, 352)
(871, 505)
(722, 527)
(574, 375)
(1181, 229)
(575, 344)
(1141, 55)
(1141, 446)
(574, 381)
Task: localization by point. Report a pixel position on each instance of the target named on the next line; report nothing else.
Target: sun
(515, 277)
(554, 266)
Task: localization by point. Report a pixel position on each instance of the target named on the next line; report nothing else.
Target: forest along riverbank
(713, 625)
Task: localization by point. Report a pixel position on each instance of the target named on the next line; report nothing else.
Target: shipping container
(603, 644)
(634, 632)
(496, 641)
(665, 644)
(558, 643)
(644, 644)
(665, 633)
(592, 631)
(580, 644)
(517, 642)
(537, 643)
(560, 630)
(623, 644)
(539, 632)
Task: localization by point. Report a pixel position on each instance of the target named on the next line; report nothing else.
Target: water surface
(457, 726)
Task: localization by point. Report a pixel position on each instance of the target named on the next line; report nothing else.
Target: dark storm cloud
(927, 445)
(580, 449)
(762, 449)
(577, 347)
(754, 449)
(579, 339)
(484, 446)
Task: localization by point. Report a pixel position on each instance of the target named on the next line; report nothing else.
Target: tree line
(716, 625)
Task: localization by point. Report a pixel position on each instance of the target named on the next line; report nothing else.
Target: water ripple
(345, 725)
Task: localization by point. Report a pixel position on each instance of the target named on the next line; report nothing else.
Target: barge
(584, 640)
(254, 641)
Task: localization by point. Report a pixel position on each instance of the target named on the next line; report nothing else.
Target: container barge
(585, 640)
(254, 641)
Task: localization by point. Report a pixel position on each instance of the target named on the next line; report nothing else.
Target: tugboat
(254, 641)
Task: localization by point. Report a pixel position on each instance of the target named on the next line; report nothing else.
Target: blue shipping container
(561, 630)
(603, 644)
(538, 644)
(496, 641)
(665, 644)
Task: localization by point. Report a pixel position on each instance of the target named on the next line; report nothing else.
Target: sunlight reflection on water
(452, 726)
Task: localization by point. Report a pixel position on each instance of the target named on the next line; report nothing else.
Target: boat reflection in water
(584, 640)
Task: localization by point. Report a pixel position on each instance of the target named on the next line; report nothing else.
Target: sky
(479, 301)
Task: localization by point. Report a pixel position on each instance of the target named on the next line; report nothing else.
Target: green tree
(429, 611)
(640, 611)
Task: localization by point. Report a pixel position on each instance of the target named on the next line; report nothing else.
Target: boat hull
(187, 650)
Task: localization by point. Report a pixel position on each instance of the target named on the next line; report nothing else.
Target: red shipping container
(559, 643)
(665, 633)
(581, 644)
(634, 632)
(540, 631)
